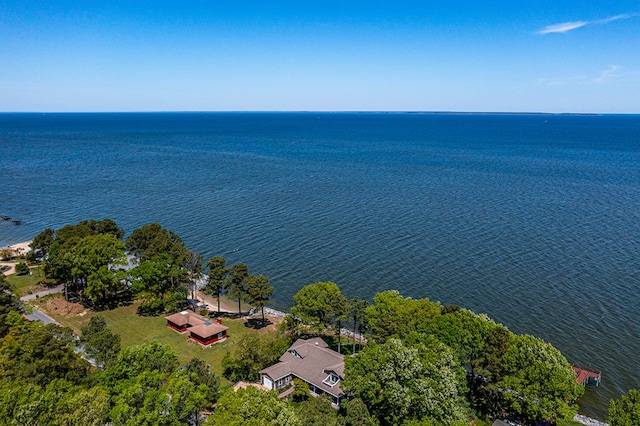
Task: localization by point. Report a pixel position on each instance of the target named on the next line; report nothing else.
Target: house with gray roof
(311, 361)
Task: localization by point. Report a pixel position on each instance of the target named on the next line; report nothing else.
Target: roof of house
(186, 318)
(207, 329)
(312, 361)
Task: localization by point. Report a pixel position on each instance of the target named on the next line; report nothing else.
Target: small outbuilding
(201, 330)
(208, 333)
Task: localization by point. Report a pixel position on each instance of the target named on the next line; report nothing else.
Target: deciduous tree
(253, 407)
(625, 411)
(252, 353)
(400, 382)
(538, 382)
(391, 314)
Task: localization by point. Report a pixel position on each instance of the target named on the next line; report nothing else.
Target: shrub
(22, 269)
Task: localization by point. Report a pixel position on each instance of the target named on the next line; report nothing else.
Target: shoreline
(19, 249)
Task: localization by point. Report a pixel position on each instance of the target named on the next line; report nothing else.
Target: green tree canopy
(99, 342)
(134, 360)
(201, 374)
(252, 353)
(391, 314)
(356, 413)
(152, 239)
(8, 303)
(157, 281)
(319, 304)
(398, 382)
(42, 242)
(218, 278)
(538, 382)
(58, 403)
(239, 274)
(258, 292)
(318, 411)
(464, 331)
(38, 353)
(625, 411)
(253, 407)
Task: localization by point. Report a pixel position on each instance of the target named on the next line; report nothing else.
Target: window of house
(331, 379)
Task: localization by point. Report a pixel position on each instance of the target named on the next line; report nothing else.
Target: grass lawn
(23, 284)
(134, 329)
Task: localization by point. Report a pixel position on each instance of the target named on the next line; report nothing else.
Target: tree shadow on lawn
(257, 323)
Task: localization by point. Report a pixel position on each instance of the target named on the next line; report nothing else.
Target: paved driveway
(52, 290)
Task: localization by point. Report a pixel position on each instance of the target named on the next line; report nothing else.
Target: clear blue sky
(190, 55)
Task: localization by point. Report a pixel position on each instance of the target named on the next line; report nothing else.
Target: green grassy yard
(134, 329)
(23, 284)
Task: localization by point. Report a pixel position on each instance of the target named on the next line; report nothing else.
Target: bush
(301, 391)
(22, 269)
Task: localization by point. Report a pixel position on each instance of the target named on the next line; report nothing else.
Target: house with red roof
(201, 330)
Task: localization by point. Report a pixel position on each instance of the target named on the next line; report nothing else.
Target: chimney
(219, 320)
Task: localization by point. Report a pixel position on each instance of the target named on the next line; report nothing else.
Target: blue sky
(189, 55)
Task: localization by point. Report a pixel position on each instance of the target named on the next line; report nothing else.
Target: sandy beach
(18, 249)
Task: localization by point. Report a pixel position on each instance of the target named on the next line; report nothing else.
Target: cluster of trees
(238, 283)
(43, 380)
(92, 259)
(252, 353)
(320, 307)
(422, 364)
(255, 407)
(425, 362)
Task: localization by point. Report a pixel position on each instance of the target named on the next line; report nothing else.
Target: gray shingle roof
(312, 361)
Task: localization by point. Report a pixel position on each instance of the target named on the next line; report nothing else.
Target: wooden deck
(587, 376)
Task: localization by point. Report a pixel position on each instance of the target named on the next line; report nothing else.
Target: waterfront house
(311, 361)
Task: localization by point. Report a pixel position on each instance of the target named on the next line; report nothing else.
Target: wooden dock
(587, 376)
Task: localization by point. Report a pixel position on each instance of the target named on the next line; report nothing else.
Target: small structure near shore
(587, 376)
(201, 330)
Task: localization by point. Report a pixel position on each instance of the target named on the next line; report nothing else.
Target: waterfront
(533, 219)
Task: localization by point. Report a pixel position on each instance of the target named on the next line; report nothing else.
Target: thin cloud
(562, 28)
(608, 74)
(569, 26)
(615, 18)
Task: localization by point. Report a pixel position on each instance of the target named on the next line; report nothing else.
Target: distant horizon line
(325, 112)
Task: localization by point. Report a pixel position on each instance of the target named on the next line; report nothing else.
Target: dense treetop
(419, 362)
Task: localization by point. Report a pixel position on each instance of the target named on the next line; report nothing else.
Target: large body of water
(533, 219)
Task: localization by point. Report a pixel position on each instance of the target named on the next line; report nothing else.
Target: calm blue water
(533, 219)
